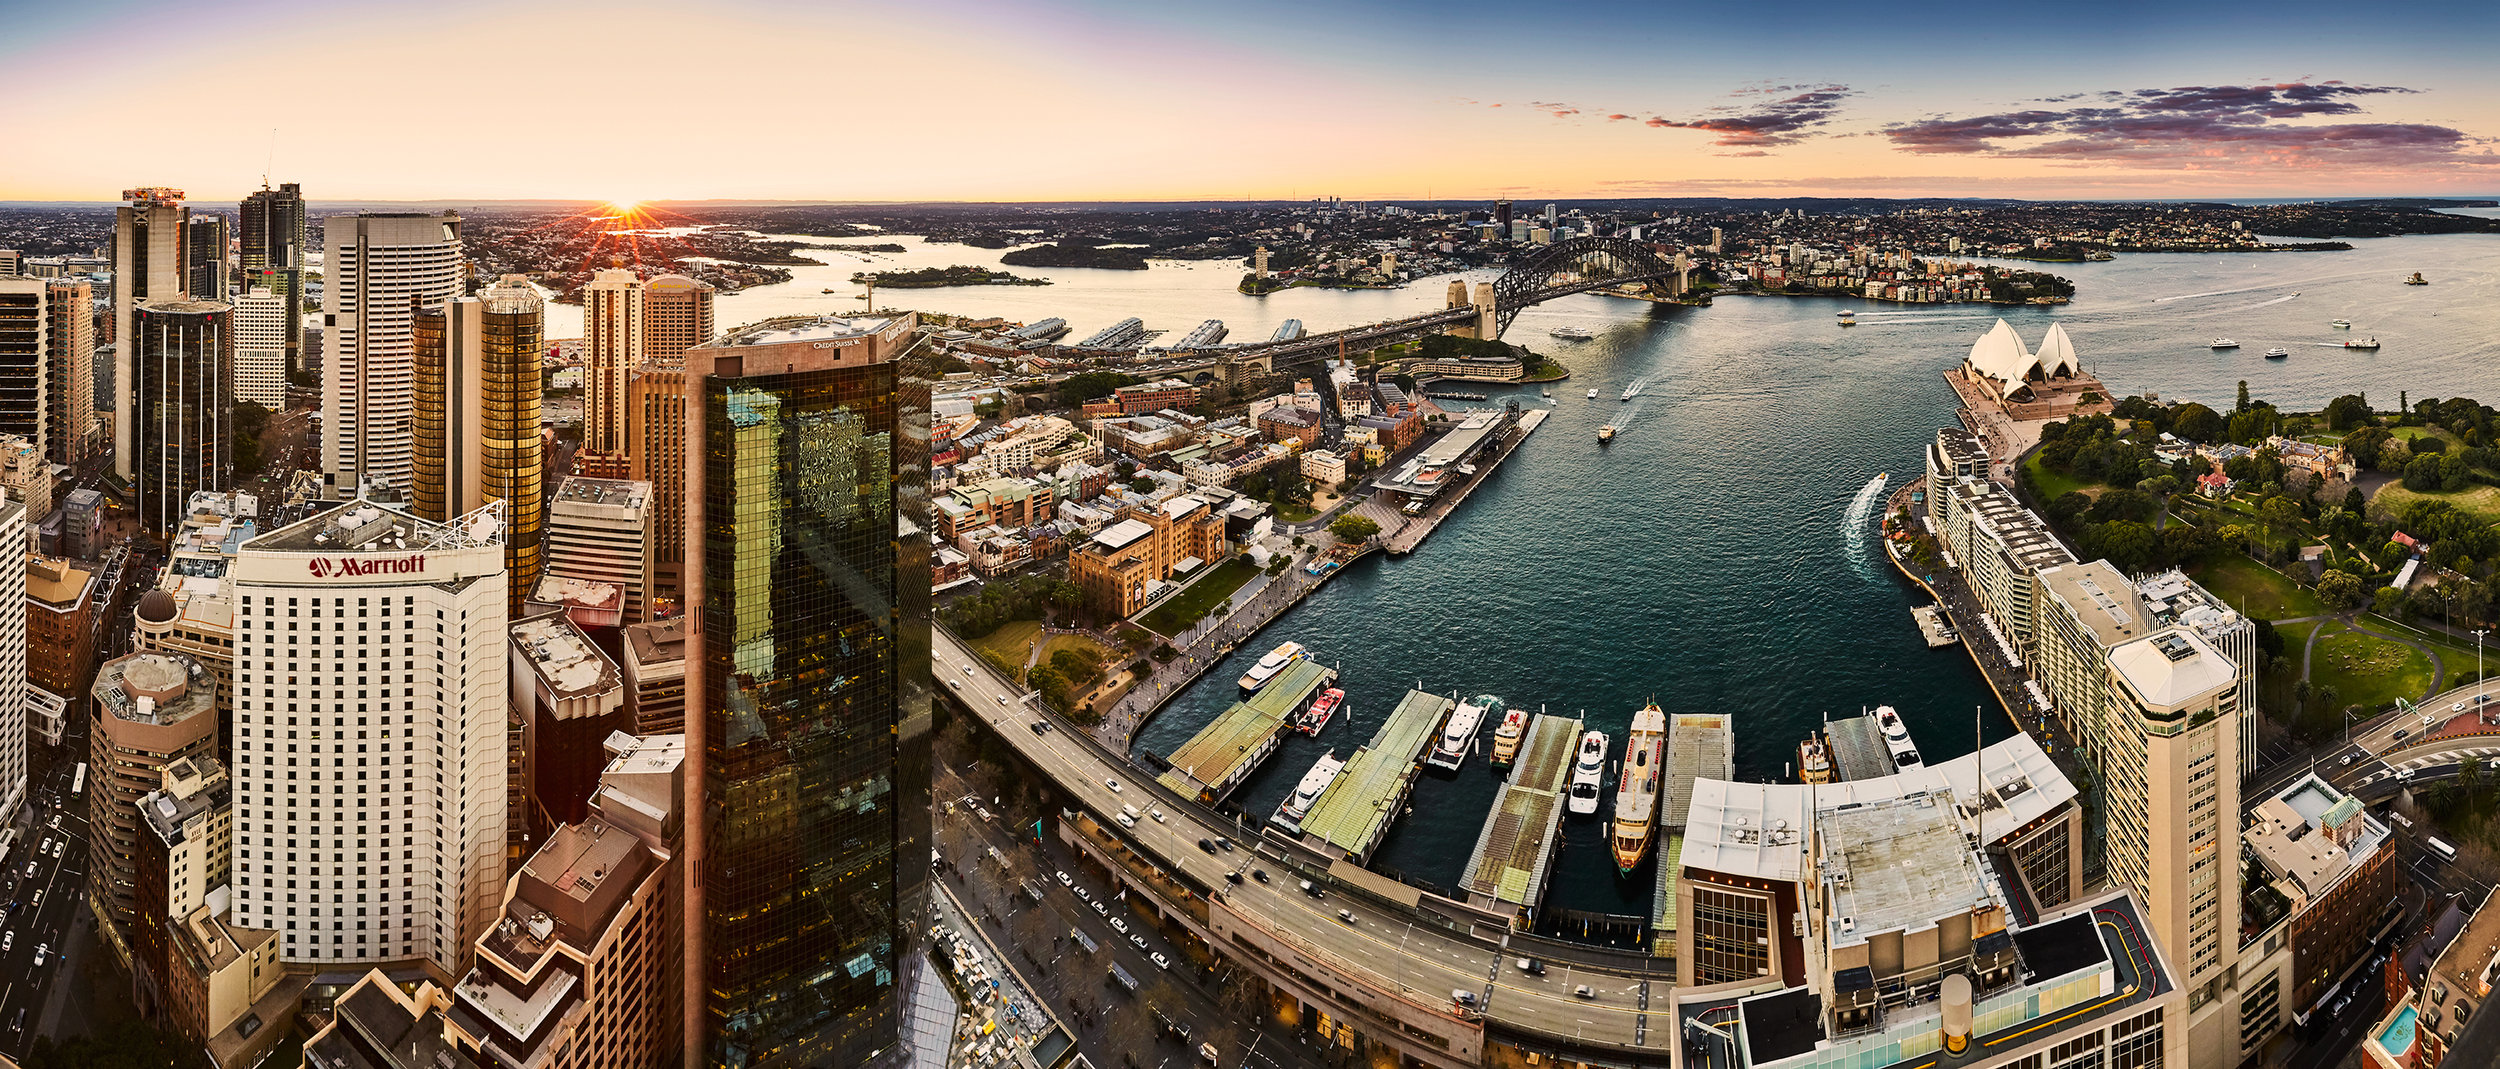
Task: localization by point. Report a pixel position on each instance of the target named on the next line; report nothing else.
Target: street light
(2482, 686)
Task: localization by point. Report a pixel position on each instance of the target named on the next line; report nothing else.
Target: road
(1384, 948)
(44, 910)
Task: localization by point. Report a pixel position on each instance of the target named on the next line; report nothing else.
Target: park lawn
(1294, 512)
(1553, 371)
(2257, 589)
(1055, 643)
(2411, 433)
(2367, 670)
(1189, 606)
(2052, 484)
(1012, 640)
(2457, 653)
(2480, 502)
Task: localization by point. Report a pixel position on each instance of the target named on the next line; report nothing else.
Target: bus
(78, 780)
(1121, 977)
(2445, 851)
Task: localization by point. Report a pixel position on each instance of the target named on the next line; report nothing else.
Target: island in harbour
(929, 278)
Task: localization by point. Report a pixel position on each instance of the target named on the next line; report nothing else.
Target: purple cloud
(1782, 120)
(2191, 126)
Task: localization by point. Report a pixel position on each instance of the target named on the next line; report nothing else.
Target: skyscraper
(656, 438)
(260, 326)
(151, 232)
(476, 385)
(69, 370)
(25, 342)
(12, 659)
(612, 347)
(808, 689)
(205, 271)
(381, 268)
(399, 599)
(270, 251)
(676, 316)
(179, 420)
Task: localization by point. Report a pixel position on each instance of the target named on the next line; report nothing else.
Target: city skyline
(1378, 101)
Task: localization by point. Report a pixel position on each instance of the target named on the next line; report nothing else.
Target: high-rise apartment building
(656, 438)
(25, 349)
(151, 261)
(381, 267)
(807, 677)
(270, 251)
(61, 611)
(151, 710)
(676, 316)
(206, 272)
(260, 333)
(598, 564)
(2173, 811)
(208, 976)
(180, 414)
(13, 703)
(612, 347)
(654, 664)
(368, 634)
(476, 384)
(69, 370)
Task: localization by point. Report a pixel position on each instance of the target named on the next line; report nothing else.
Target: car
(2403, 774)
(30, 870)
(1160, 961)
(967, 669)
(1138, 940)
(1346, 915)
(2429, 719)
(1584, 991)
(2482, 699)
(1313, 890)
(1233, 877)
(1119, 926)
(1531, 966)
(1041, 727)
(1126, 821)
(1101, 910)
(1223, 842)
(2400, 735)
(1259, 875)
(8, 941)
(1113, 784)
(1206, 845)
(1002, 699)
(57, 845)
(955, 683)
(1158, 815)
(2348, 758)
(2457, 708)
(1064, 879)
(1464, 998)
(41, 950)
(36, 902)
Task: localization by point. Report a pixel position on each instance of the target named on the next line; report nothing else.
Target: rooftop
(365, 527)
(1516, 845)
(155, 688)
(2102, 598)
(2172, 667)
(1896, 865)
(805, 329)
(1699, 746)
(1353, 813)
(657, 642)
(2311, 834)
(563, 657)
(616, 493)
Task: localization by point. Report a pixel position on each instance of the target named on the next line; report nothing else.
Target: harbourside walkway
(1197, 650)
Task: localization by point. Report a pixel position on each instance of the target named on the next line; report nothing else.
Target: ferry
(2223, 343)
(2340, 324)
(1606, 434)
(1316, 717)
(1636, 787)
(1573, 333)
(1268, 666)
(1298, 805)
(2416, 279)
(1506, 738)
(2277, 353)
(1897, 738)
(1814, 759)
(1628, 391)
(1586, 774)
(1848, 318)
(1458, 734)
(2365, 343)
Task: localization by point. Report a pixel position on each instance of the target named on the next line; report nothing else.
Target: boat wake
(1853, 524)
(1635, 389)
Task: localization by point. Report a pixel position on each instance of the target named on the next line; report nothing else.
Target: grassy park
(2256, 589)
(2367, 670)
(1192, 605)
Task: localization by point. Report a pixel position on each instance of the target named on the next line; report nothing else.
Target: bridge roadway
(1389, 950)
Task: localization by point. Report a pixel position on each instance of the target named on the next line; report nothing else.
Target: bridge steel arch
(1526, 281)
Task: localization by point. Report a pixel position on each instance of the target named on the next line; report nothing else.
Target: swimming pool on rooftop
(2398, 1038)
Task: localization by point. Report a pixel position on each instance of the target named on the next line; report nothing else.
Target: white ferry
(1573, 333)
(1298, 805)
(1897, 738)
(1587, 773)
(1458, 734)
(1268, 666)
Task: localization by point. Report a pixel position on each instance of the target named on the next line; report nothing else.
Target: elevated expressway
(1390, 971)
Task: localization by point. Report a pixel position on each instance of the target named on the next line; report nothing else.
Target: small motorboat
(2277, 353)
(2340, 324)
(2224, 343)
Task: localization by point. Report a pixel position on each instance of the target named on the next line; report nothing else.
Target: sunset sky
(1115, 99)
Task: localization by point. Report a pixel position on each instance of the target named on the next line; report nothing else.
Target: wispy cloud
(1783, 115)
(2194, 126)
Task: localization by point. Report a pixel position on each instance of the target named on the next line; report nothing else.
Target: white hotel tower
(368, 735)
(380, 266)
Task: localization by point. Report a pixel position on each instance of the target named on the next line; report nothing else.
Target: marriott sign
(325, 567)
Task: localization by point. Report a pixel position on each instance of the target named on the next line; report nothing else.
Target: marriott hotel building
(368, 738)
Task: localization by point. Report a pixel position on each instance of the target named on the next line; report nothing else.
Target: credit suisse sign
(326, 567)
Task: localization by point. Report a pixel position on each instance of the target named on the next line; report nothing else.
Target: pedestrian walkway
(1198, 649)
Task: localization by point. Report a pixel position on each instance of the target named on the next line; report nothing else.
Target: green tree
(2341, 590)
(250, 421)
(2130, 545)
(2242, 405)
(2196, 423)
(2389, 602)
(1354, 527)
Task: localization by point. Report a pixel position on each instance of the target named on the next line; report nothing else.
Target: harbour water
(1708, 557)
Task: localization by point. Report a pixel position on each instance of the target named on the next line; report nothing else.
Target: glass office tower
(810, 579)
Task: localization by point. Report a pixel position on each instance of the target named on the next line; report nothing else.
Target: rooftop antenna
(269, 164)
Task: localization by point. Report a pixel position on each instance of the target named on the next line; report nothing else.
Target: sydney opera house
(2010, 372)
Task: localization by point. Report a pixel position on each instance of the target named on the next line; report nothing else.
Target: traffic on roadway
(1344, 937)
(42, 883)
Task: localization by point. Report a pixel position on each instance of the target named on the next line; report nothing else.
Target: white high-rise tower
(380, 267)
(370, 673)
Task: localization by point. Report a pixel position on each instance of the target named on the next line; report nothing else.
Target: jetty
(1515, 851)
(1413, 532)
(1233, 745)
(1354, 813)
(1931, 626)
(1699, 746)
(1858, 749)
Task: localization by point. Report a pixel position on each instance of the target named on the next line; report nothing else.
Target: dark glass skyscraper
(808, 584)
(180, 352)
(270, 250)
